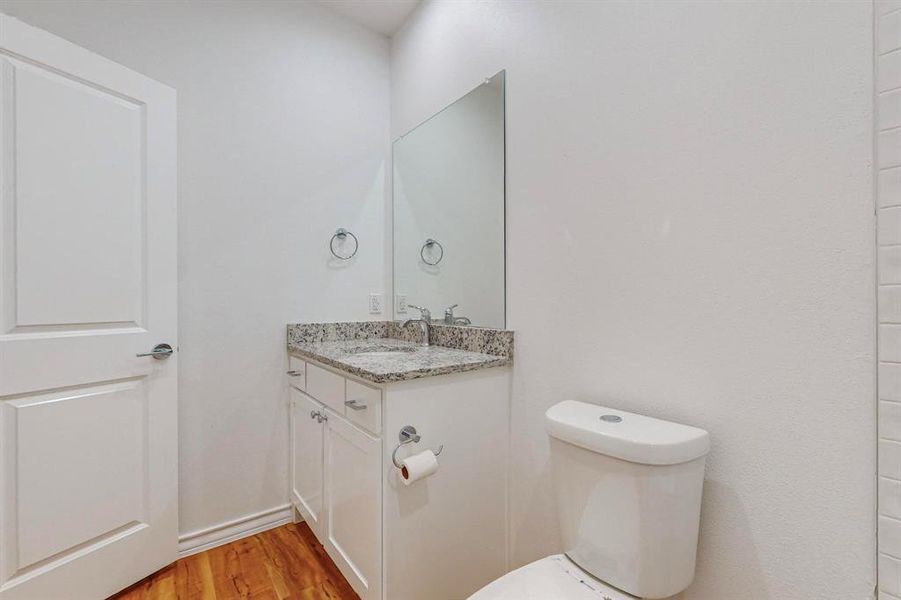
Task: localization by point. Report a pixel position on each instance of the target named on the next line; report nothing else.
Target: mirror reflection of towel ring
(341, 234)
(429, 243)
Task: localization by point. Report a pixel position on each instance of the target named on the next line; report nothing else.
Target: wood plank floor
(284, 563)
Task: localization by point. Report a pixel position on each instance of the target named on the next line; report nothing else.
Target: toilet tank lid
(624, 435)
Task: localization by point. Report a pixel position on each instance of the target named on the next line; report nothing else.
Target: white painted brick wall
(890, 304)
(888, 202)
(890, 382)
(889, 575)
(888, 148)
(889, 182)
(890, 497)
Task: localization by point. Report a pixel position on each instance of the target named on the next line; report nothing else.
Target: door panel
(88, 430)
(87, 215)
(62, 441)
(307, 436)
(354, 505)
(92, 140)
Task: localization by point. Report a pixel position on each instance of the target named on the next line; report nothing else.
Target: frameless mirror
(449, 212)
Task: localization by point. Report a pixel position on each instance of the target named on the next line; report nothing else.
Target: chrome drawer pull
(294, 373)
(353, 405)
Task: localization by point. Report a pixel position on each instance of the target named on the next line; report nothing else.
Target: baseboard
(204, 539)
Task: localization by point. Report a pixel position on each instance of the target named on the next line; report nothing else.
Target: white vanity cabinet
(336, 472)
(353, 500)
(307, 444)
(336, 487)
(440, 537)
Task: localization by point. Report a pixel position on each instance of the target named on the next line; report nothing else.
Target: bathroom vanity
(353, 388)
(359, 390)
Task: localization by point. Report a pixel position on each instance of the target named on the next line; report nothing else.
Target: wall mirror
(449, 212)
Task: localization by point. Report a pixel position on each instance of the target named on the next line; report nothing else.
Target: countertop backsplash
(498, 342)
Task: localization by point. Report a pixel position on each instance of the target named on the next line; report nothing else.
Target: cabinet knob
(313, 414)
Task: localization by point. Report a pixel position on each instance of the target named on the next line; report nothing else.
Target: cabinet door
(307, 437)
(354, 505)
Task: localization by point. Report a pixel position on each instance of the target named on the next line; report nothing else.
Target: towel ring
(408, 435)
(428, 244)
(341, 234)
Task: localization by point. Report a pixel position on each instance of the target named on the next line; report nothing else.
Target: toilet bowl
(628, 492)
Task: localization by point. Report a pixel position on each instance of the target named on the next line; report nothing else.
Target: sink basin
(381, 351)
(381, 354)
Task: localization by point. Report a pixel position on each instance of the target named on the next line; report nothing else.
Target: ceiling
(382, 16)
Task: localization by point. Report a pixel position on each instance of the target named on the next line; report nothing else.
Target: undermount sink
(381, 351)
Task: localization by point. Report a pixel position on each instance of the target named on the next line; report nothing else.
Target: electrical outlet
(401, 304)
(375, 304)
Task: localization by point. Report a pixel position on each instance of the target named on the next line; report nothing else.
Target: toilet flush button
(611, 418)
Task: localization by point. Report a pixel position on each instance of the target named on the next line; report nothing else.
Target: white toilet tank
(629, 495)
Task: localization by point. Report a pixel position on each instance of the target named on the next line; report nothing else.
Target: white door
(353, 495)
(88, 444)
(307, 435)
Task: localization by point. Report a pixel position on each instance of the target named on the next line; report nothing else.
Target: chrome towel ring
(429, 243)
(341, 234)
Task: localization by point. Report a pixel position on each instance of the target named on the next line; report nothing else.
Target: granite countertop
(369, 351)
(394, 360)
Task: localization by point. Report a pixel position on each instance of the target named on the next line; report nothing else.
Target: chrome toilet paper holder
(408, 435)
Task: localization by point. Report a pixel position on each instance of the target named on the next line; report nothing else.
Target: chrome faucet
(450, 319)
(424, 321)
(449, 314)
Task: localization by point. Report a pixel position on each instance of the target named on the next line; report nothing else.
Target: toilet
(628, 493)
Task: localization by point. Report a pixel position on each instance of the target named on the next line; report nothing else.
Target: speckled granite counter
(377, 351)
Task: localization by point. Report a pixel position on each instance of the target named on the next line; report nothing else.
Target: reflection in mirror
(449, 212)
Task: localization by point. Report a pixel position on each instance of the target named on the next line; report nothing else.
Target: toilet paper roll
(419, 466)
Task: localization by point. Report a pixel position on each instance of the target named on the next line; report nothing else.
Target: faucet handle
(449, 314)
(425, 315)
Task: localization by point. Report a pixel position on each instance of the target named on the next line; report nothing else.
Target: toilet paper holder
(406, 436)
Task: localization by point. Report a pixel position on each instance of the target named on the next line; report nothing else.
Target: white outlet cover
(401, 304)
(375, 304)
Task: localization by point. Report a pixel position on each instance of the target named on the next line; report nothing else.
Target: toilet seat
(551, 578)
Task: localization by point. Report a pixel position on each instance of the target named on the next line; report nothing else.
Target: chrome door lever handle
(352, 404)
(159, 352)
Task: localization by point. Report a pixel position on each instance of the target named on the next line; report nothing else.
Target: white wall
(888, 177)
(283, 137)
(449, 185)
(690, 235)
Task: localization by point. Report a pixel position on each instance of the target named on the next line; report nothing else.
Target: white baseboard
(204, 539)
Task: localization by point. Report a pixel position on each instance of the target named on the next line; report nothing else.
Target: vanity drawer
(297, 372)
(325, 386)
(364, 406)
